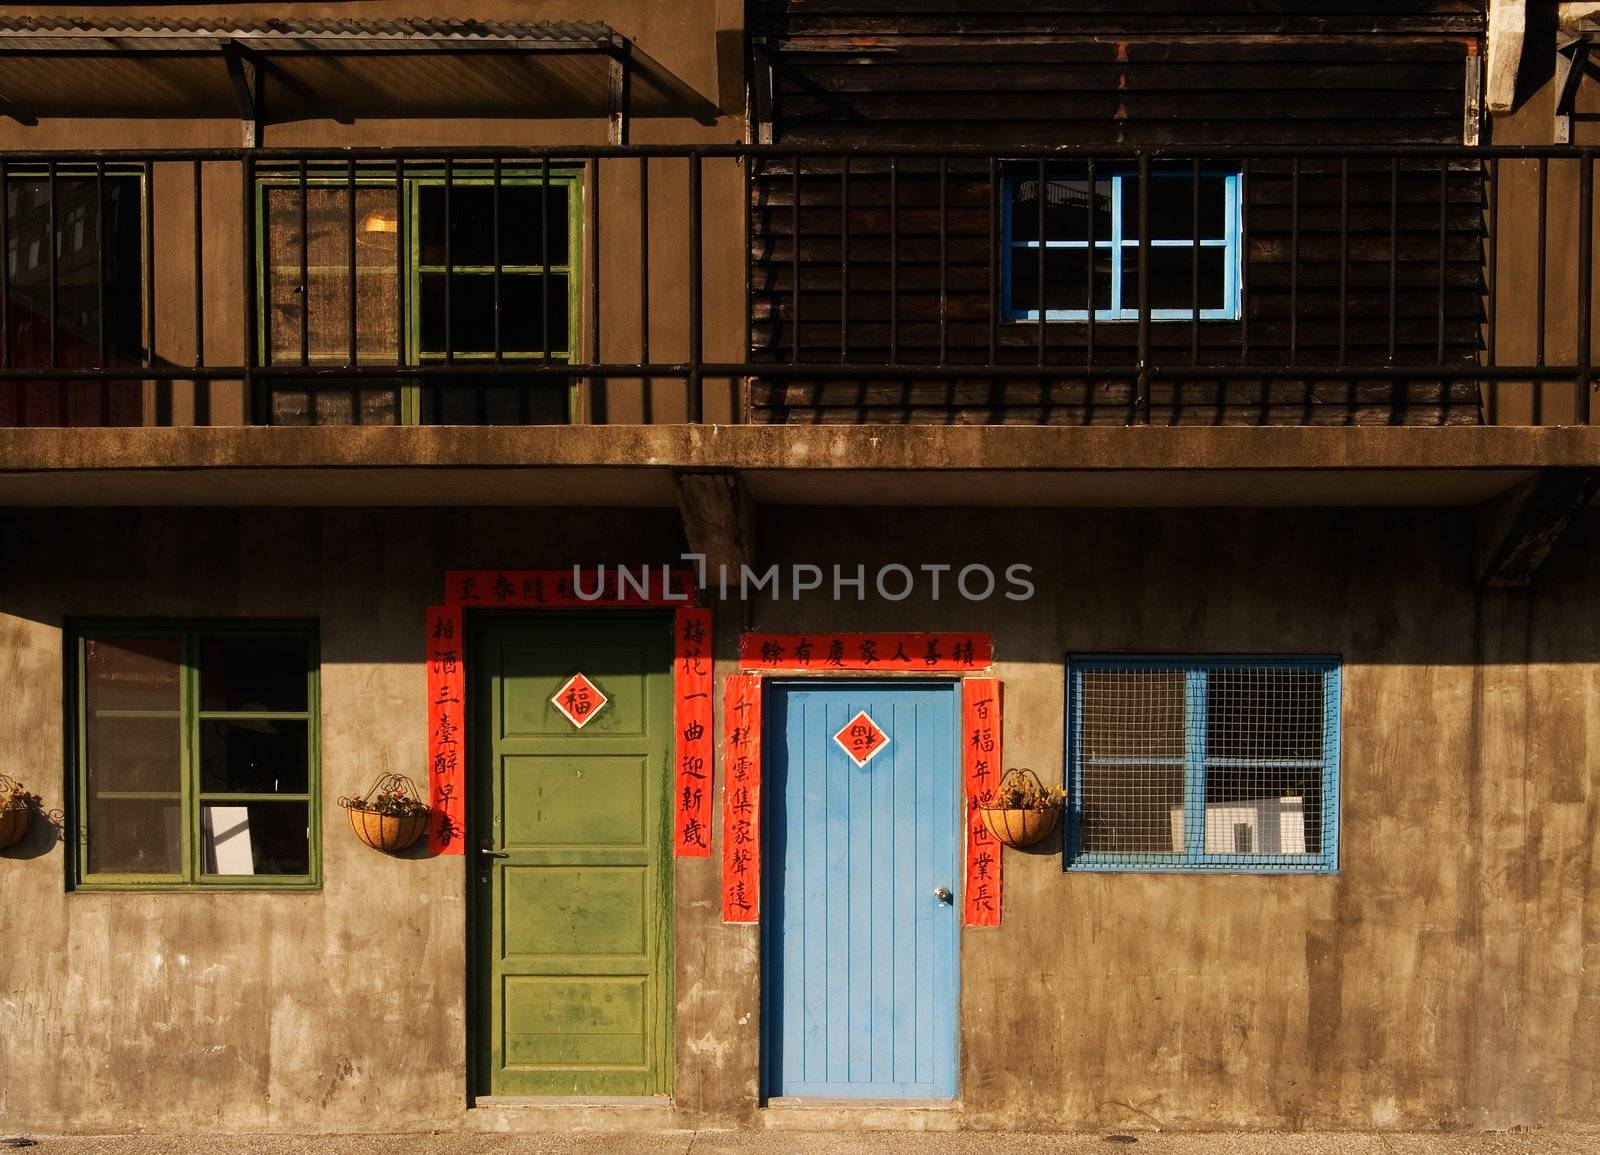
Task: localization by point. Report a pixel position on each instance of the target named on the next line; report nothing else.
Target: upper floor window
(1067, 244)
(73, 288)
(470, 270)
(1203, 764)
(196, 755)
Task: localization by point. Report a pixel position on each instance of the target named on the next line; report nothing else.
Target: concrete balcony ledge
(810, 465)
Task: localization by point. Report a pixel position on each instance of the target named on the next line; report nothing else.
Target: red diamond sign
(861, 738)
(579, 700)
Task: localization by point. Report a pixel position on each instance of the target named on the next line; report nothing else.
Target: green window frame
(190, 807)
(410, 187)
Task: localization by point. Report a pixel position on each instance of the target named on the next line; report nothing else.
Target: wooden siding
(942, 75)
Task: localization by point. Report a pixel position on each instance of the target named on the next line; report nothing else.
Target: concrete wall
(1446, 977)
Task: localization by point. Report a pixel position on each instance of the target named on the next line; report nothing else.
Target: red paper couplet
(447, 762)
(692, 681)
(980, 734)
(597, 586)
(894, 653)
(741, 798)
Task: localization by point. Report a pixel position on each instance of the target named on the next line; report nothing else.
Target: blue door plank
(862, 983)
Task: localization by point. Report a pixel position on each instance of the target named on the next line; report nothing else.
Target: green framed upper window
(466, 268)
(195, 755)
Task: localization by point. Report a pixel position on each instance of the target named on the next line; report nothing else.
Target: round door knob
(943, 894)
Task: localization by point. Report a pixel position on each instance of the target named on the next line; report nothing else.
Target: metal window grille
(1216, 764)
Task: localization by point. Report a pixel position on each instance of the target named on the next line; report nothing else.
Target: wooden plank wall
(940, 73)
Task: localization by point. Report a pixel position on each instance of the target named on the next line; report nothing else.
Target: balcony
(664, 285)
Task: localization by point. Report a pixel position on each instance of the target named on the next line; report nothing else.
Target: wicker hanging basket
(1019, 826)
(387, 817)
(16, 811)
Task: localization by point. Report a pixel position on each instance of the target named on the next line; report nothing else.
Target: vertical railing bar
(1039, 297)
(1194, 269)
(147, 249)
(449, 266)
(350, 219)
(894, 260)
(5, 267)
(644, 259)
(100, 284)
(1493, 287)
(1344, 259)
(100, 273)
(200, 277)
(202, 390)
(994, 257)
(1585, 319)
(400, 261)
(499, 261)
(1294, 261)
(1244, 261)
(593, 234)
(1394, 256)
(1444, 239)
(50, 245)
(1089, 301)
(1142, 390)
(794, 262)
(1540, 268)
(696, 399)
(544, 252)
(305, 269)
(844, 261)
(944, 260)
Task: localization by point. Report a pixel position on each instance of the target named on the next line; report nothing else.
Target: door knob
(943, 894)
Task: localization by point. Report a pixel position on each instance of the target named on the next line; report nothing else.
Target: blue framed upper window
(1203, 764)
(1196, 259)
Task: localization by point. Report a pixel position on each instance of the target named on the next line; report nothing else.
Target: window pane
(472, 224)
(252, 756)
(255, 838)
(1066, 279)
(133, 753)
(1132, 748)
(1172, 207)
(472, 313)
(132, 673)
(528, 402)
(327, 293)
(253, 673)
(1066, 204)
(1172, 284)
(1132, 714)
(1130, 809)
(336, 403)
(135, 836)
(95, 240)
(1264, 713)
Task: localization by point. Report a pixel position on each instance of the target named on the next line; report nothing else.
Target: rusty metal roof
(133, 33)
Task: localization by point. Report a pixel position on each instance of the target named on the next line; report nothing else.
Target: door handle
(486, 849)
(943, 894)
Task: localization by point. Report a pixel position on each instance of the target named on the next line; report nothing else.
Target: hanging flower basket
(1022, 810)
(390, 816)
(17, 808)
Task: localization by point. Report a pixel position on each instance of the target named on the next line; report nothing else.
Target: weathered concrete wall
(1445, 977)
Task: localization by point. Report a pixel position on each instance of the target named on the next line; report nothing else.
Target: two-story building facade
(702, 448)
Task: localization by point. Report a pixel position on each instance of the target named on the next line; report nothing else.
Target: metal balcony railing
(1422, 285)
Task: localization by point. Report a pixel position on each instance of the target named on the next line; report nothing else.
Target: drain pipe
(1508, 21)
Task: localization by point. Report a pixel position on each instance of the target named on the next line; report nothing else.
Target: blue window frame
(1195, 243)
(1203, 764)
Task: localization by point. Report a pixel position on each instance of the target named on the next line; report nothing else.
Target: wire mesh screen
(1219, 764)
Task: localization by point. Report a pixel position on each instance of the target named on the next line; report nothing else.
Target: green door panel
(573, 946)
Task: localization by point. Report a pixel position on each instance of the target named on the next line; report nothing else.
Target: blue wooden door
(863, 890)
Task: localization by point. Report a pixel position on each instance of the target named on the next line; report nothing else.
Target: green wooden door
(574, 918)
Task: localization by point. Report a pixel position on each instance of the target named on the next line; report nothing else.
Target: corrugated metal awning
(344, 69)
